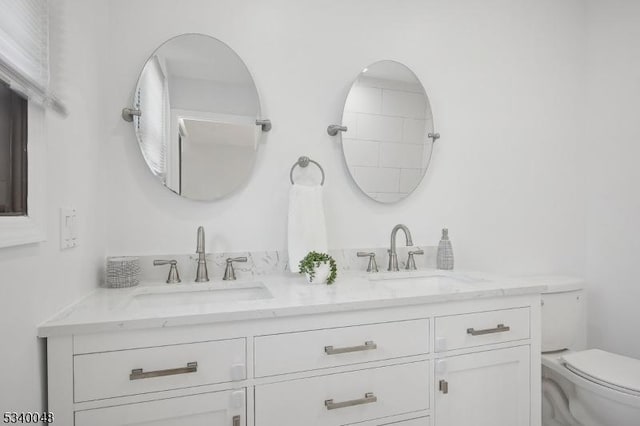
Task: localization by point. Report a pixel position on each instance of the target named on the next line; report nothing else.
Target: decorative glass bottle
(444, 258)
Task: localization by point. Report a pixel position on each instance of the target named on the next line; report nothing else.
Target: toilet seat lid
(611, 370)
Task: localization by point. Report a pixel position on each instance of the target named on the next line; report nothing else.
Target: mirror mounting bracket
(128, 113)
(265, 124)
(333, 129)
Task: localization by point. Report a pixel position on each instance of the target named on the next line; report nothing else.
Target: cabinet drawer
(481, 328)
(422, 421)
(310, 350)
(217, 408)
(418, 421)
(130, 372)
(339, 399)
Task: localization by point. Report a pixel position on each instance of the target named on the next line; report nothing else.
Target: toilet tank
(563, 314)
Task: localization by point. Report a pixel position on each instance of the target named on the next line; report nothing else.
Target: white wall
(504, 81)
(612, 150)
(37, 280)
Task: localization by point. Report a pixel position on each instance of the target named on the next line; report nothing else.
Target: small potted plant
(320, 267)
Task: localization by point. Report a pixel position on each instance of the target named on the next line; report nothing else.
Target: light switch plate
(68, 228)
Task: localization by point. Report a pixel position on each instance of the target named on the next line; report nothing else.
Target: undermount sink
(200, 294)
(422, 275)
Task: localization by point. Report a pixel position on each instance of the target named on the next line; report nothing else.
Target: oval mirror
(195, 112)
(387, 145)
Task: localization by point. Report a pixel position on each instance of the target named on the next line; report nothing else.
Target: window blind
(24, 49)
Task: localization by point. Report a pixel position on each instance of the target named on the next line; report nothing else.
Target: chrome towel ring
(304, 162)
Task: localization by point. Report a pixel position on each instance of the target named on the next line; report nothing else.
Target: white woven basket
(122, 272)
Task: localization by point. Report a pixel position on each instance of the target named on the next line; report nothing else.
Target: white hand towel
(307, 228)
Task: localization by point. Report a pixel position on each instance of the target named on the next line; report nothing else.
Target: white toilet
(582, 387)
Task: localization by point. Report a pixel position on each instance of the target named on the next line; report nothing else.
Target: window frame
(19, 230)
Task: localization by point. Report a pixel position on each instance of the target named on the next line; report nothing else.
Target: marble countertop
(124, 309)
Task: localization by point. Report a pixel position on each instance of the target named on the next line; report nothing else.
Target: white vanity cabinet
(465, 362)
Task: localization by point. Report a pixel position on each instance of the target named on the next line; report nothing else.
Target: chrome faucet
(393, 255)
(201, 273)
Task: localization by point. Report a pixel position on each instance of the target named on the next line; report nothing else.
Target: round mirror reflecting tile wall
(196, 127)
(386, 146)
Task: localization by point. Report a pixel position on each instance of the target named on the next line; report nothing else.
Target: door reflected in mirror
(388, 117)
(219, 151)
(197, 125)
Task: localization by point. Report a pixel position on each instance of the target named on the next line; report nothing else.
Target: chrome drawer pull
(369, 397)
(500, 328)
(330, 350)
(235, 421)
(443, 386)
(137, 373)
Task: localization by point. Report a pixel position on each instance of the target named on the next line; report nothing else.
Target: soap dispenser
(444, 258)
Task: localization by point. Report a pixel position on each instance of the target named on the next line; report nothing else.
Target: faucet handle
(173, 277)
(411, 262)
(229, 272)
(373, 266)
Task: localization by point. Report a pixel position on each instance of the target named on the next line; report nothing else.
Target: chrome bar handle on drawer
(500, 328)
(369, 345)
(235, 421)
(369, 397)
(137, 373)
(443, 386)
